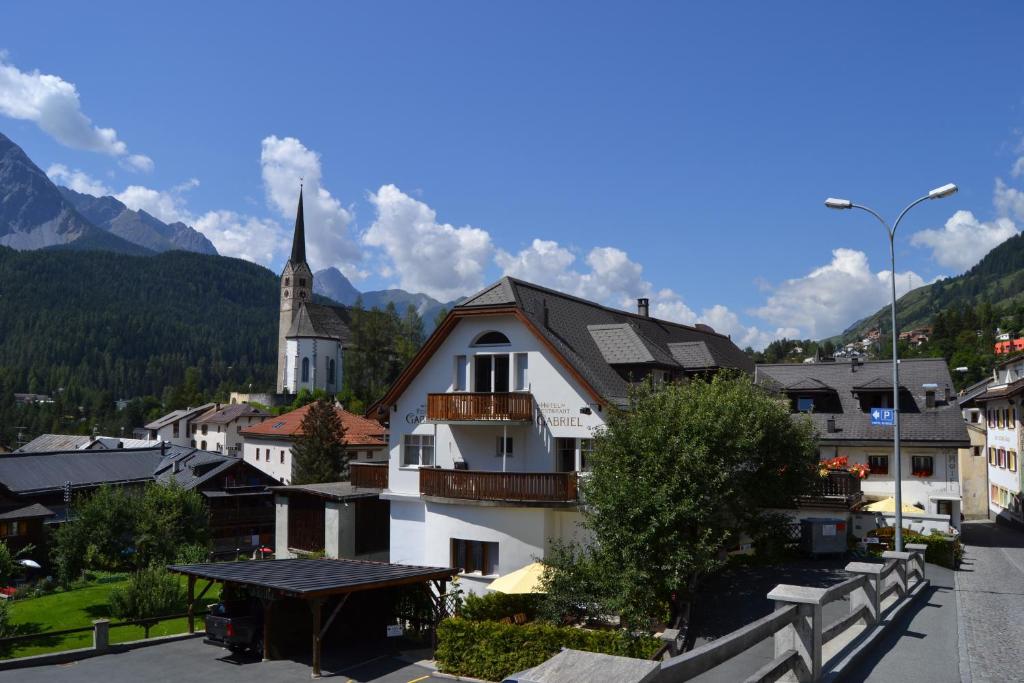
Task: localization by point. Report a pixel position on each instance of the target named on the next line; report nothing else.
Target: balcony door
(491, 373)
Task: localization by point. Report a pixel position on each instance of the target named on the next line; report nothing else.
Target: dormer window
(492, 338)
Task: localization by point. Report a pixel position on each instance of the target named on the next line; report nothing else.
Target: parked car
(236, 625)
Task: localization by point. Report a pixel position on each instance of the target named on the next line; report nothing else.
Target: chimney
(643, 307)
(947, 394)
(854, 362)
(832, 425)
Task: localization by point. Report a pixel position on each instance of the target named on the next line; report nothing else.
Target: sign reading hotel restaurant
(557, 415)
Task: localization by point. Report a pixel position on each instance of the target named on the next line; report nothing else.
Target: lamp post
(833, 203)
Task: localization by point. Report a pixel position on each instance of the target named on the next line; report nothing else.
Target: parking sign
(883, 416)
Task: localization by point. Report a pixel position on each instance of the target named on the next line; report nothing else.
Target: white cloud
(77, 180)
(831, 297)
(254, 239)
(965, 240)
(437, 259)
(53, 104)
(727, 322)
(328, 241)
(167, 206)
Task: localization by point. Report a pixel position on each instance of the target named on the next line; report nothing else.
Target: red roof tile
(359, 431)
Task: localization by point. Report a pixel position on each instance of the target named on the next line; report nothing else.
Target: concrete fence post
(101, 634)
(902, 562)
(804, 634)
(870, 594)
(919, 550)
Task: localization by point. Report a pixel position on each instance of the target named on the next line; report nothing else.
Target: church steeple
(299, 240)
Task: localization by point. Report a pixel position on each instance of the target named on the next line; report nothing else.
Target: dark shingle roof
(302, 577)
(27, 512)
(569, 322)
(319, 320)
(229, 413)
(334, 490)
(177, 415)
(943, 423)
(24, 473)
(194, 466)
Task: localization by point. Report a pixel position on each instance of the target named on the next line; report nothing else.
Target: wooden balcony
(368, 475)
(838, 489)
(482, 407)
(512, 487)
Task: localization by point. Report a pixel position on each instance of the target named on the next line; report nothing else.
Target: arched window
(491, 338)
(305, 369)
(330, 371)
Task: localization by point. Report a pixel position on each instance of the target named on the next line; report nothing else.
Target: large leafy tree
(676, 479)
(319, 452)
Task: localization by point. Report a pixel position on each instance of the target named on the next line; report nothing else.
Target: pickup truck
(236, 625)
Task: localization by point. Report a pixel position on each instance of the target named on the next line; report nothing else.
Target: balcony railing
(839, 488)
(368, 475)
(516, 406)
(530, 487)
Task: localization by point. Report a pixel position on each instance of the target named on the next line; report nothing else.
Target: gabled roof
(177, 415)
(321, 322)
(808, 384)
(191, 467)
(974, 391)
(359, 430)
(918, 423)
(230, 412)
(70, 442)
(564, 323)
(32, 511)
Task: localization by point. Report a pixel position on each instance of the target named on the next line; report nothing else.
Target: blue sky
(613, 150)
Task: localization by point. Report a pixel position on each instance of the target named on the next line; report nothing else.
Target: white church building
(492, 422)
(311, 337)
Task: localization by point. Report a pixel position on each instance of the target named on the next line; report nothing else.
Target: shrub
(152, 592)
(492, 650)
(4, 619)
(942, 550)
(496, 606)
(193, 553)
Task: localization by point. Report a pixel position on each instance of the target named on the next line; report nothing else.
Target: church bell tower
(296, 289)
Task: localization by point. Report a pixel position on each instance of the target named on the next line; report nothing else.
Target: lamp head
(944, 191)
(834, 203)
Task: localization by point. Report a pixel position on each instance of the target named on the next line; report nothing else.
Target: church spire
(299, 241)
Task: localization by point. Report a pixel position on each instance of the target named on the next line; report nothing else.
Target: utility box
(823, 535)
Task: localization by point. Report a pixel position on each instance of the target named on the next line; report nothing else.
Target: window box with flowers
(841, 463)
(922, 466)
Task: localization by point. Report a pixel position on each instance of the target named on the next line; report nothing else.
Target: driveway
(990, 597)
(192, 661)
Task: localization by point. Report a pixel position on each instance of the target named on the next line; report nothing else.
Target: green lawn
(77, 608)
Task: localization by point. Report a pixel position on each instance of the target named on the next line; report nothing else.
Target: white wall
(558, 399)
(945, 479)
(319, 351)
(281, 471)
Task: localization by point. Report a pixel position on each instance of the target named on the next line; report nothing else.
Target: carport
(314, 582)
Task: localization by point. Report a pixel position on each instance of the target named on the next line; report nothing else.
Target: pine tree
(319, 452)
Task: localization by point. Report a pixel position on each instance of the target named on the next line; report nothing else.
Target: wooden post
(315, 604)
(191, 604)
(268, 605)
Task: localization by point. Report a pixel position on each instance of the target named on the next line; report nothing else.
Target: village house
(220, 428)
(492, 422)
(36, 487)
(839, 398)
(973, 461)
(175, 427)
(1001, 403)
(268, 445)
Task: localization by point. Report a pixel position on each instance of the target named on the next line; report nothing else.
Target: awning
(523, 580)
(889, 505)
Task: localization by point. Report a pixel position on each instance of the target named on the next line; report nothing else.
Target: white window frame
(419, 445)
(460, 380)
(520, 372)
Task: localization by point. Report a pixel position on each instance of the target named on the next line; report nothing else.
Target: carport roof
(311, 578)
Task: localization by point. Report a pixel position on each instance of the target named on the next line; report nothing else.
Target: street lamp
(833, 203)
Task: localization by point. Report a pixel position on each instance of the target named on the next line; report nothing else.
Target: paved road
(990, 597)
(191, 661)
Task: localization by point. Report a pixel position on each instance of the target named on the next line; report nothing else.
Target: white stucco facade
(312, 363)
(273, 456)
(426, 530)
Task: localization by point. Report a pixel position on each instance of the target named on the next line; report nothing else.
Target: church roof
(299, 239)
(321, 322)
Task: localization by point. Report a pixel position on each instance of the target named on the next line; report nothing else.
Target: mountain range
(997, 279)
(332, 283)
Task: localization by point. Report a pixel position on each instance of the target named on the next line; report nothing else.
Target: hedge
(942, 550)
(492, 650)
(496, 606)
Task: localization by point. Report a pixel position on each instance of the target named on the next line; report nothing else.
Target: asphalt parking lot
(192, 661)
